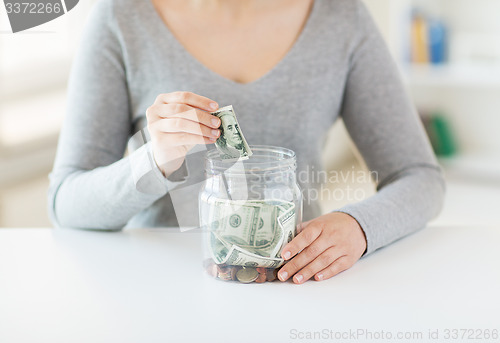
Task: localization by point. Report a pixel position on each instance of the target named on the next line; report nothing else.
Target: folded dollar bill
(231, 143)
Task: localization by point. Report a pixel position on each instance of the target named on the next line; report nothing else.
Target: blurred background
(448, 52)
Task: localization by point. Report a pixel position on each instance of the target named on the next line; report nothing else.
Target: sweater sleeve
(385, 127)
(92, 184)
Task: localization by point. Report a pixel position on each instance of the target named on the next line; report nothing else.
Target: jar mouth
(264, 158)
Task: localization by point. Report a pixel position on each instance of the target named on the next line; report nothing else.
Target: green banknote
(231, 143)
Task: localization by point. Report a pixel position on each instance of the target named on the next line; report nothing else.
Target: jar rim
(283, 158)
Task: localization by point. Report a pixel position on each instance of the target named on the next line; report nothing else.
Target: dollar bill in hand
(231, 143)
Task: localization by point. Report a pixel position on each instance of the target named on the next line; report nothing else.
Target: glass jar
(249, 210)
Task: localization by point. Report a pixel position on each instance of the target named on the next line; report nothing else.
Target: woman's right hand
(177, 122)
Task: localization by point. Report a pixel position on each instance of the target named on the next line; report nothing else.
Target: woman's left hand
(325, 247)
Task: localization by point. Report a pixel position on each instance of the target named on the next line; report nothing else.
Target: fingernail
(215, 133)
(283, 276)
(213, 105)
(287, 255)
(320, 277)
(299, 278)
(215, 122)
(213, 139)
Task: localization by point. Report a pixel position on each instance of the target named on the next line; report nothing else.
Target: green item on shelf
(440, 134)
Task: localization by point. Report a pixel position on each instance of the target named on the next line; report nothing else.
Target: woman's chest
(241, 50)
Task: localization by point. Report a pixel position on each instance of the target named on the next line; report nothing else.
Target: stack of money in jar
(249, 233)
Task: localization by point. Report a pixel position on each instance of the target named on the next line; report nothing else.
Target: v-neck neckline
(294, 49)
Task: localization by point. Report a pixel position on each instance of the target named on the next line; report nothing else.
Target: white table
(147, 286)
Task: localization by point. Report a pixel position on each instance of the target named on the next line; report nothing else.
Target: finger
(302, 226)
(198, 116)
(302, 240)
(318, 264)
(182, 138)
(306, 256)
(338, 266)
(156, 112)
(187, 98)
(179, 124)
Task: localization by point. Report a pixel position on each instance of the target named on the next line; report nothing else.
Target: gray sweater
(338, 68)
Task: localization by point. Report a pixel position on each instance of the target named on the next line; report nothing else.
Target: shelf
(479, 168)
(472, 41)
(452, 76)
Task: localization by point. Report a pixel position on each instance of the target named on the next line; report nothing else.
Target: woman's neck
(233, 7)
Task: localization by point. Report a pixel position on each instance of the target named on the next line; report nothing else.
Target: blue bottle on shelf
(437, 41)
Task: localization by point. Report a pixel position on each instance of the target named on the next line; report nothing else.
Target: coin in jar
(224, 273)
(261, 278)
(271, 274)
(212, 270)
(208, 262)
(247, 275)
(261, 270)
(234, 270)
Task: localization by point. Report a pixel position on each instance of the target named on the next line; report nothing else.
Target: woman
(289, 67)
